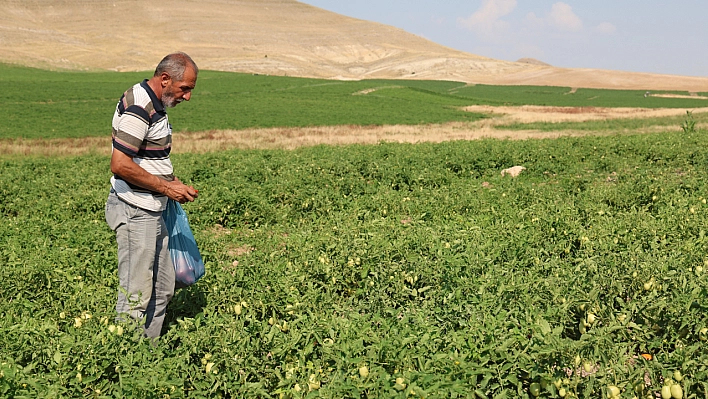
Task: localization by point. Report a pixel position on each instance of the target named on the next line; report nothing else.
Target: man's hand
(123, 166)
(180, 192)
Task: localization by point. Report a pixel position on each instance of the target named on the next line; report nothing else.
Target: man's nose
(187, 96)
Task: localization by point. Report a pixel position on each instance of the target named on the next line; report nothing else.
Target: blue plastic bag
(186, 259)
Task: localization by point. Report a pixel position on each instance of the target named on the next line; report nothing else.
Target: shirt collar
(156, 102)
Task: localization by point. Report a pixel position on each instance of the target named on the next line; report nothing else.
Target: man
(142, 182)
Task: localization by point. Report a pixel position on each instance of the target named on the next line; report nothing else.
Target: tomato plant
(376, 271)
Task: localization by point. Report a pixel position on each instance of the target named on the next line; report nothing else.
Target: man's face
(177, 91)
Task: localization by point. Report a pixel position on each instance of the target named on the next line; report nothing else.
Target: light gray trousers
(145, 272)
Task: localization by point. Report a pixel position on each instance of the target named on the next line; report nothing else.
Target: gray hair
(175, 64)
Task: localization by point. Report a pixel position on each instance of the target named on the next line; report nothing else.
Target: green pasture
(47, 104)
(394, 270)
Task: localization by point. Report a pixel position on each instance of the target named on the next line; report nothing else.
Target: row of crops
(394, 270)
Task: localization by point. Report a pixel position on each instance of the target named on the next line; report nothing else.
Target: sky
(668, 37)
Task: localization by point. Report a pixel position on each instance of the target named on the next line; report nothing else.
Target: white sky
(668, 37)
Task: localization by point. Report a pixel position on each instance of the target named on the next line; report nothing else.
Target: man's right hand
(180, 192)
(123, 166)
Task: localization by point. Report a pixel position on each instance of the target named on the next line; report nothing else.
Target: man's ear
(165, 79)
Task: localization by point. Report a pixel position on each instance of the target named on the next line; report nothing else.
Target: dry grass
(535, 113)
(54, 147)
(692, 96)
(290, 138)
(278, 138)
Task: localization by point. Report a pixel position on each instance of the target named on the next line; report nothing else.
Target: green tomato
(535, 389)
(612, 392)
(676, 391)
(587, 366)
(677, 376)
(400, 384)
(639, 387)
(666, 392)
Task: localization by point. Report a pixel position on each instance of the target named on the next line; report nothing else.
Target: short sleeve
(130, 129)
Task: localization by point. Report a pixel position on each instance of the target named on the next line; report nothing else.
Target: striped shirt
(141, 130)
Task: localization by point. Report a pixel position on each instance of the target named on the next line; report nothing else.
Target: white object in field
(513, 171)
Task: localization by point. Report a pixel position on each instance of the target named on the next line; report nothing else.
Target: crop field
(394, 270)
(44, 104)
(365, 271)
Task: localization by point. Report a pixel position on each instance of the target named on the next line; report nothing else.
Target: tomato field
(395, 270)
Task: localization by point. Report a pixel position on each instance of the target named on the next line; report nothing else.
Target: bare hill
(279, 37)
(532, 61)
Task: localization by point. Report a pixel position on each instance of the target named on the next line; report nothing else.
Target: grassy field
(376, 271)
(44, 104)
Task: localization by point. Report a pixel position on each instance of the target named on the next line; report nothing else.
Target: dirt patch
(375, 89)
(691, 96)
(219, 231)
(364, 92)
(240, 251)
(533, 113)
